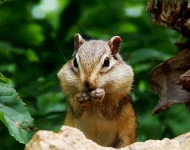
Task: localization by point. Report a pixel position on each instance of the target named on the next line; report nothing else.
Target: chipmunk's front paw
(97, 94)
(82, 97)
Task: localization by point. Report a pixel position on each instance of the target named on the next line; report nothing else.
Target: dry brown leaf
(184, 80)
(164, 77)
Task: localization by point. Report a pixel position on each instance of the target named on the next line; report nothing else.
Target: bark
(174, 14)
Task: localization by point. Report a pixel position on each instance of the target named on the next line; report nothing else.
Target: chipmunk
(97, 83)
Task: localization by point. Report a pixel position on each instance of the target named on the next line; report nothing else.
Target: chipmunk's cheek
(98, 82)
(81, 87)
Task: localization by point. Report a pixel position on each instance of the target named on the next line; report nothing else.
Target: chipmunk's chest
(98, 128)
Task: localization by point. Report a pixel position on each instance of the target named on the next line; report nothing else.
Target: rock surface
(69, 138)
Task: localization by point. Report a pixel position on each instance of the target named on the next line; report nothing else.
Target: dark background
(36, 39)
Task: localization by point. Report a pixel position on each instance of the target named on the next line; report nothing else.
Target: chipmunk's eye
(106, 62)
(75, 64)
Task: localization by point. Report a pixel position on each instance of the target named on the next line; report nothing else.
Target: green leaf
(14, 114)
(3, 79)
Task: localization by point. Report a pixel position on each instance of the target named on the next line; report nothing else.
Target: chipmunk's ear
(78, 41)
(114, 44)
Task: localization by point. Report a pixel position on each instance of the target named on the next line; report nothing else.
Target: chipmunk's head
(96, 64)
(94, 58)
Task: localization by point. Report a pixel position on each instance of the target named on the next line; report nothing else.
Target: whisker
(63, 55)
(55, 65)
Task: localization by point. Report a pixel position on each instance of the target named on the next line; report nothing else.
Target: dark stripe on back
(117, 141)
(122, 103)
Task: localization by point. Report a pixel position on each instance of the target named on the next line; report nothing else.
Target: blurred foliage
(36, 39)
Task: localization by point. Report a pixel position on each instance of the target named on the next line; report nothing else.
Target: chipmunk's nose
(89, 85)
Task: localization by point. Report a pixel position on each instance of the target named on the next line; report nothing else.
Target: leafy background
(36, 39)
